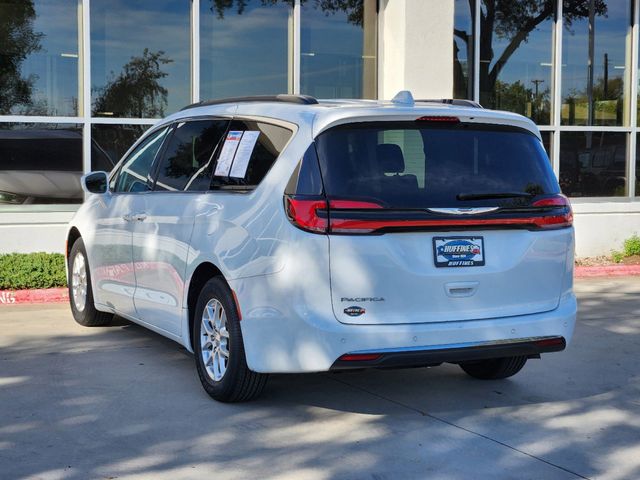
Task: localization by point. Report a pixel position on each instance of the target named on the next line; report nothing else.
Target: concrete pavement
(123, 402)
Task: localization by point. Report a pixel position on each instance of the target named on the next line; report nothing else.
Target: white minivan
(285, 234)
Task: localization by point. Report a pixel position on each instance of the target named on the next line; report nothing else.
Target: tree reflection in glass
(136, 92)
(39, 57)
(515, 56)
(140, 58)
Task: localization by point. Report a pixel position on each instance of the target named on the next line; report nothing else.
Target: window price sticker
(243, 154)
(228, 152)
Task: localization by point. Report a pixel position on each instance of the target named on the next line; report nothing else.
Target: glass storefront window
(637, 166)
(593, 164)
(595, 61)
(244, 48)
(338, 49)
(40, 163)
(516, 48)
(140, 57)
(463, 48)
(39, 57)
(546, 142)
(110, 142)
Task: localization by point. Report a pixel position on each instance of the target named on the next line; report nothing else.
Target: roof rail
(453, 101)
(283, 98)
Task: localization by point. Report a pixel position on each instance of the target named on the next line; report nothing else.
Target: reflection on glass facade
(592, 164)
(40, 163)
(39, 57)
(546, 142)
(516, 52)
(637, 179)
(576, 51)
(140, 57)
(111, 142)
(142, 64)
(463, 48)
(338, 49)
(244, 48)
(595, 61)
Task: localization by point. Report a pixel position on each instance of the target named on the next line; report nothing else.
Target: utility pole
(606, 76)
(536, 99)
(536, 83)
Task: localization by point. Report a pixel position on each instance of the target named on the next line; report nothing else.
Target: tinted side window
(187, 161)
(271, 140)
(134, 172)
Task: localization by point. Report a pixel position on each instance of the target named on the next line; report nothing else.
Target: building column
(416, 48)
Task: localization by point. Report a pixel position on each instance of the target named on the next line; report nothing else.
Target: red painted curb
(41, 295)
(607, 271)
(61, 295)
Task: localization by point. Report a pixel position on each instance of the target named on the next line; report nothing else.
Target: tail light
(308, 214)
(317, 215)
(560, 212)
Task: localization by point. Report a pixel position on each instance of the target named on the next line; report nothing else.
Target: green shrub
(32, 270)
(617, 256)
(632, 246)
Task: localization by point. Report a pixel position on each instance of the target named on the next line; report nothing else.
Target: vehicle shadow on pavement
(122, 401)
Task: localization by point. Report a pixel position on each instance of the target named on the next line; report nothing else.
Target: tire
(84, 312)
(222, 368)
(495, 368)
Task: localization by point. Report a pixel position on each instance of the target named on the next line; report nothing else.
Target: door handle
(135, 217)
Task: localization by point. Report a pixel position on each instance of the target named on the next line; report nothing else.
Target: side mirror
(95, 182)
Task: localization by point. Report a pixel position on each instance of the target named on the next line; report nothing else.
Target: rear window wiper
(492, 195)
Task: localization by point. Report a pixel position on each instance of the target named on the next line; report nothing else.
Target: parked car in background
(285, 234)
(44, 165)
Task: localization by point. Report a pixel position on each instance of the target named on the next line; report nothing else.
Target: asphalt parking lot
(123, 402)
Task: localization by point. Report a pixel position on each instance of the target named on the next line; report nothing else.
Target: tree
(514, 20)
(136, 92)
(18, 40)
(353, 8)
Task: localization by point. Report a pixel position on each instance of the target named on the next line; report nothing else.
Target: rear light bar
(322, 216)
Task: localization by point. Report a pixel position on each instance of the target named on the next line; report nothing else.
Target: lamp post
(536, 99)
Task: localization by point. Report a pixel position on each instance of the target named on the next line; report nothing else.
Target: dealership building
(81, 80)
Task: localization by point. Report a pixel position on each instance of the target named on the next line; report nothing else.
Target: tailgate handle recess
(461, 289)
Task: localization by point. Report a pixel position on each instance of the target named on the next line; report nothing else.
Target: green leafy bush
(617, 256)
(632, 246)
(32, 270)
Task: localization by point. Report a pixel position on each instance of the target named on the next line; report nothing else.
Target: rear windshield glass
(414, 165)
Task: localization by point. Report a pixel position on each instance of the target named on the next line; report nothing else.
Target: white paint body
(289, 282)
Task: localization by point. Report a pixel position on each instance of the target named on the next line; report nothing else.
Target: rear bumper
(455, 353)
(301, 336)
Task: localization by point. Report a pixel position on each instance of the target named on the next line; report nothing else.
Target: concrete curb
(61, 295)
(41, 295)
(607, 271)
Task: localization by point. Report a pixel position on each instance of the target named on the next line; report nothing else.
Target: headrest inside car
(390, 158)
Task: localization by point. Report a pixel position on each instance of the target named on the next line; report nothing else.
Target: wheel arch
(201, 275)
(72, 236)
